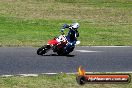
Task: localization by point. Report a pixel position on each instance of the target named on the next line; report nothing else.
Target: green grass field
(33, 22)
(52, 81)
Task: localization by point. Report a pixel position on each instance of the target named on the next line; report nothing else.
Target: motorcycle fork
(48, 47)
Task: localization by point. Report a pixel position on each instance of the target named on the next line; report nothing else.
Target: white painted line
(7, 75)
(87, 51)
(49, 73)
(86, 73)
(28, 75)
(35, 75)
(59, 73)
(100, 72)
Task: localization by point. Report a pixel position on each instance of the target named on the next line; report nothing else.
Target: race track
(24, 60)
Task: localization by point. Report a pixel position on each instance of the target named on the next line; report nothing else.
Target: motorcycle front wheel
(43, 49)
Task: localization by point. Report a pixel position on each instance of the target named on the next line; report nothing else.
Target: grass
(33, 22)
(52, 81)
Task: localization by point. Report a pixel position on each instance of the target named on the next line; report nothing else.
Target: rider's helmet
(75, 26)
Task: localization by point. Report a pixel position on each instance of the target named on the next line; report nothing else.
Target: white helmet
(75, 26)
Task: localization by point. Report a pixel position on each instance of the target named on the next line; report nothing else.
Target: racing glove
(63, 28)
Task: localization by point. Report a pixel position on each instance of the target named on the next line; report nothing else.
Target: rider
(72, 34)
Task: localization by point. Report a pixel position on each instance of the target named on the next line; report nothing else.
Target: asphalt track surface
(24, 60)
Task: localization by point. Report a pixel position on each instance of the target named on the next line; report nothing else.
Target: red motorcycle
(57, 45)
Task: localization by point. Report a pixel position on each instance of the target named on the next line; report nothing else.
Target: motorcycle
(58, 45)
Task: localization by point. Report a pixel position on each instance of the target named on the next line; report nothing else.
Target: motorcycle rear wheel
(63, 52)
(60, 53)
